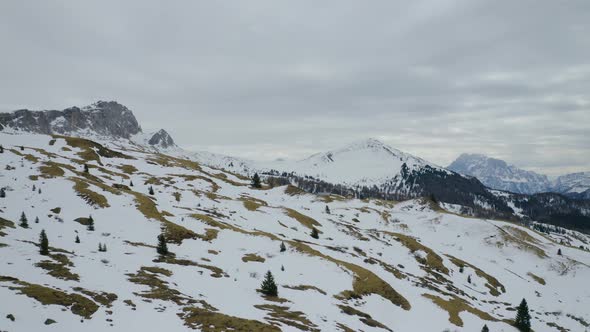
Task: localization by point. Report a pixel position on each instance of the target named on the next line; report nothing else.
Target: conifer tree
(559, 252)
(24, 223)
(99, 246)
(523, 318)
(90, 226)
(282, 268)
(86, 170)
(1, 149)
(485, 329)
(43, 243)
(314, 233)
(269, 287)
(461, 269)
(469, 279)
(34, 188)
(162, 247)
(36, 220)
(283, 248)
(256, 181)
(130, 183)
(151, 190)
(22, 148)
(2, 193)
(39, 191)
(327, 209)
(77, 239)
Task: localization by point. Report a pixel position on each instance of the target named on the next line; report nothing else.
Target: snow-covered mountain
(575, 185)
(375, 265)
(102, 120)
(497, 174)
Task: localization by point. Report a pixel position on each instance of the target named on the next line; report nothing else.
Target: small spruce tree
(314, 233)
(327, 209)
(90, 226)
(24, 223)
(34, 188)
(162, 247)
(283, 248)
(130, 183)
(485, 329)
(2, 193)
(36, 220)
(282, 268)
(1, 149)
(151, 190)
(39, 191)
(77, 239)
(461, 269)
(559, 252)
(269, 287)
(43, 244)
(86, 170)
(99, 246)
(22, 148)
(469, 279)
(256, 181)
(104, 247)
(523, 318)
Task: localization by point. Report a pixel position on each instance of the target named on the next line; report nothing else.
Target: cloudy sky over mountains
(269, 79)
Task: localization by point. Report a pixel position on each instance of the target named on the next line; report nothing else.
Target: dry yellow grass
(537, 278)
(302, 219)
(281, 314)
(432, 260)
(252, 258)
(455, 306)
(495, 287)
(208, 320)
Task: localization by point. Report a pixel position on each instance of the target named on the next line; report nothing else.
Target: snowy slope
(377, 265)
(574, 183)
(497, 174)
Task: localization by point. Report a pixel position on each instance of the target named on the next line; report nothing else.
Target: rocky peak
(161, 139)
(103, 118)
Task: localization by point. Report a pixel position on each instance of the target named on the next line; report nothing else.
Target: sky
(285, 79)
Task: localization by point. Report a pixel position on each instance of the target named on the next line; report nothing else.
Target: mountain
(576, 185)
(497, 174)
(376, 265)
(102, 120)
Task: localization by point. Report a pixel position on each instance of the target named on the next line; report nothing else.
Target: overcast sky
(270, 79)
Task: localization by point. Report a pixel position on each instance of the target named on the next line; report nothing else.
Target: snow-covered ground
(376, 265)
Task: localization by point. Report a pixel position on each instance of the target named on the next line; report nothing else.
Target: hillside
(376, 265)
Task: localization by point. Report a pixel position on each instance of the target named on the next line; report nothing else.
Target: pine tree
(151, 190)
(36, 220)
(485, 329)
(24, 223)
(269, 287)
(559, 252)
(77, 239)
(2, 193)
(39, 191)
(130, 183)
(162, 247)
(104, 247)
(99, 246)
(314, 233)
(90, 226)
(327, 209)
(469, 279)
(282, 268)
(86, 170)
(34, 188)
(256, 181)
(283, 248)
(461, 269)
(523, 318)
(22, 148)
(43, 244)
(1, 149)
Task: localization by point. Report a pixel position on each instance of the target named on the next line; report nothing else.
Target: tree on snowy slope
(162, 247)
(283, 247)
(90, 226)
(485, 329)
(256, 181)
(2, 193)
(43, 244)
(314, 233)
(269, 287)
(523, 318)
(151, 190)
(24, 223)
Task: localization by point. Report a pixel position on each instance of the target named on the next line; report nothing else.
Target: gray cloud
(268, 79)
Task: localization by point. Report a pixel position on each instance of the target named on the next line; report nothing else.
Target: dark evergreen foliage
(90, 226)
(256, 183)
(485, 329)
(77, 239)
(151, 190)
(162, 247)
(43, 243)
(314, 233)
(2, 193)
(523, 318)
(327, 209)
(283, 247)
(269, 287)
(559, 252)
(24, 223)
(36, 220)
(86, 170)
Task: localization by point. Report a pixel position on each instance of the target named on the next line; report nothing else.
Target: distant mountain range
(363, 169)
(497, 174)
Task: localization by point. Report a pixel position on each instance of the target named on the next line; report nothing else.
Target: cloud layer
(269, 79)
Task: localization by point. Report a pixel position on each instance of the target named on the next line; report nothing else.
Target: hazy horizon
(266, 80)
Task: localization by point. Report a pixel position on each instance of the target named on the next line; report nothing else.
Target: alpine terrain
(105, 228)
